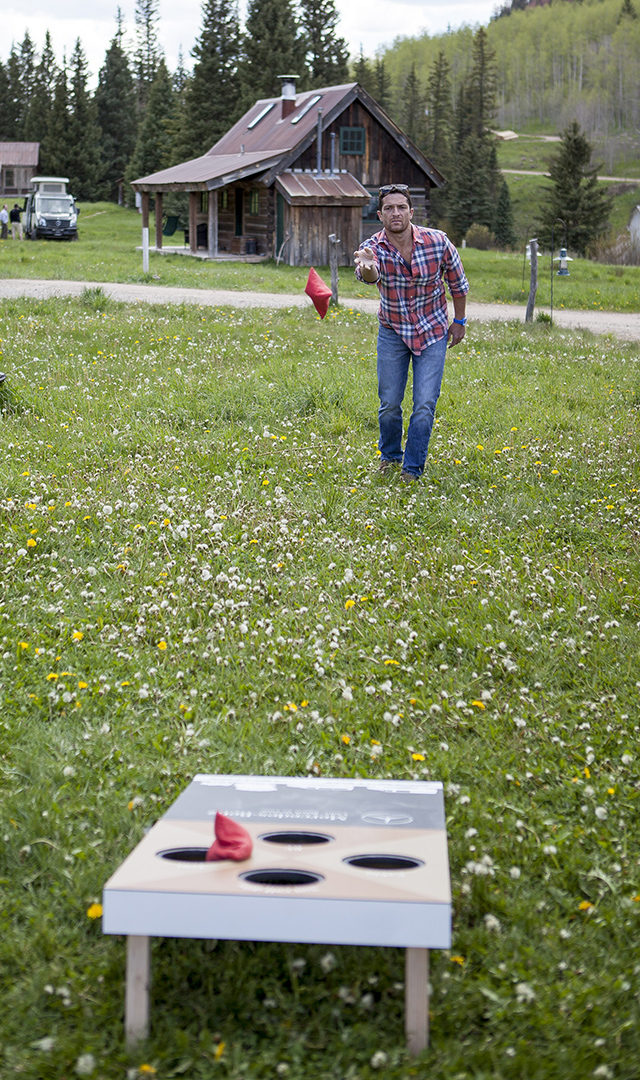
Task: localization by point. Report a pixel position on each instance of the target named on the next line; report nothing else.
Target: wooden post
(533, 287)
(333, 263)
(212, 231)
(158, 221)
(416, 999)
(145, 232)
(136, 1008)
(194, 201)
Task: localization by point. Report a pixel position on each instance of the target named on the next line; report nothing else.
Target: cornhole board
(336, 862)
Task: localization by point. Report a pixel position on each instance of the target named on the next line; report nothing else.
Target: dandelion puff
(601, 813)
(524, 993)
(327, 962)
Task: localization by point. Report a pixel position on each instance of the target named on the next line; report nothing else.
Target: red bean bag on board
(231, 842)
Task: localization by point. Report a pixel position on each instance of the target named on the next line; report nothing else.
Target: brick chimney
(288, 94)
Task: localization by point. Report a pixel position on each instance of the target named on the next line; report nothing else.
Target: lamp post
(562, 258)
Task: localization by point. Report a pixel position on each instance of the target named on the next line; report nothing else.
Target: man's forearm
(459, 306)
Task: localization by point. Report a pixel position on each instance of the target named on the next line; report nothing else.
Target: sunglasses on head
(388, 189)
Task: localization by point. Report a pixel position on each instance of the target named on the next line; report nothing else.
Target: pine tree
(26, 67)
(627, 11)
(382, 84)
(363, 73)
(575, 196)
(272, 47)
(439, 132)
(413, 105)
(84, 165)
(59, 127)
(212, 95)
(6, 109)
(154, 147)
(38, 117)
(476, 186)
(148, 53)
(116, 114)
(327, 54)
(503, 229)
(13, 103)
(481, 84)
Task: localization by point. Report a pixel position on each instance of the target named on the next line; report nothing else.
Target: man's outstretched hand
(365, 262)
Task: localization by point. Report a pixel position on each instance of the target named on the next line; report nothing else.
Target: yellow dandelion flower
(587, 772)
(147, 1070)
(396, 662)
(162, 645)
(219, 1051)
(52, 675)
(585, 905)
(77, 635)
(292, 706)
(346, 739)
(31, 542)
(457, 960)
(23, 645)
(418, 757)
(349, 604)
(82, 685)
(479, 704)
(303, 704)
(94, 911)
(265, 482)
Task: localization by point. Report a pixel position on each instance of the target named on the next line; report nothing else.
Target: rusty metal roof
(273, 132)
(19, 153)
(208, 171)
(309, 189)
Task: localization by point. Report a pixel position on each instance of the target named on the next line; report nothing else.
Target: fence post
(533, 287)
(333, 263)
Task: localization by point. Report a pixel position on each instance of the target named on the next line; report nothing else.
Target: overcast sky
(93, 21)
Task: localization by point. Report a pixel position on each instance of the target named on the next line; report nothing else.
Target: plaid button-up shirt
(413, 301)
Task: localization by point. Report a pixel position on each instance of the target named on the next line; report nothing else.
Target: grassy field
(106, 251)
(203, 571)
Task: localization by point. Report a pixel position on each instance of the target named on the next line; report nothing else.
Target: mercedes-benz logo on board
(380, 818)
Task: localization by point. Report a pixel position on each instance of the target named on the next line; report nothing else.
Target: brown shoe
(386, 465)
(408, 477)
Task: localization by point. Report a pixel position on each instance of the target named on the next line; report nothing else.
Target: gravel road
(624, 326)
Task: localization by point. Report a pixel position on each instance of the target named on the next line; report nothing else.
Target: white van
(50, 212)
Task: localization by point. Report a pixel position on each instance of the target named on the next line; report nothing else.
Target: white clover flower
(492, 923)
(626, 759)
(601, 813)
(550, 849)
(603, 1072)
(91, 571)
(515, 872)
(45, 1044)
(378, 1060)
(107, 510)
(85, 1065)
(524, 993)
(68, 771)
(327, 962)
(471, 832)
(206, 574)
(348, 575)
(347, 693)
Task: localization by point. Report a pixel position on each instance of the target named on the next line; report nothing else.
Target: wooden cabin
(292, 171)
(18, 163)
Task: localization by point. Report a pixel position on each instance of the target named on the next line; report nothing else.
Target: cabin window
(224, 200)
(254, 201)
(9, 178)
(352, 140)
(204, 202)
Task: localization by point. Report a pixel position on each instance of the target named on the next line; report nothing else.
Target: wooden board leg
(416, 999)
(136, 1007)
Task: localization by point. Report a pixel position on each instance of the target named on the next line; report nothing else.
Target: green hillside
(555, 63)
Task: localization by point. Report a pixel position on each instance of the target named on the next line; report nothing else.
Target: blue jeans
(393, 369)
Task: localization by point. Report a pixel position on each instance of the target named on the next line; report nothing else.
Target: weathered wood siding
(255, 227)
(309, 228)
(383, 161)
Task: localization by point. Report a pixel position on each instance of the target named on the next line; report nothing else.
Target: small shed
(290, 172)
(18, 163)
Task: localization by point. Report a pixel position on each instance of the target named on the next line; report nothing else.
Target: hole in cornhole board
(384, 862)
(282, 877)
(187, 854)
(296, 838)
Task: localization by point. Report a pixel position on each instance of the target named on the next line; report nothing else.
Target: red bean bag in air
(319, 292)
